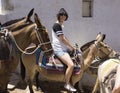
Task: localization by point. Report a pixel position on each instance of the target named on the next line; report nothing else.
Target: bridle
(99, 49)
(39, 37)
(42, 43)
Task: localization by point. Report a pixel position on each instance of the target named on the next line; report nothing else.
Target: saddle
(55, 65)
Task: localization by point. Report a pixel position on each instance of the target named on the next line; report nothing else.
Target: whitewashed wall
(106, 18)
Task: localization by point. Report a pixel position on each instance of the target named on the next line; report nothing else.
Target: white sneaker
(70, 88)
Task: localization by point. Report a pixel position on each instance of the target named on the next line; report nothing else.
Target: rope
(25, 52)
(98, 48)
(92, 66)
(54, 62)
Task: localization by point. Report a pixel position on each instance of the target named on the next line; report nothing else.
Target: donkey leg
(38, 87)
(96, 86)
(30, 83)
(30, 86)
(22, 74)
(37, 80)
(23, 70)
(31, 74)
(79, 88)
(3, 88)
(4, 91)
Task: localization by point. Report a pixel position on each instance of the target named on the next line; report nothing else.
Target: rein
(40, 39)
(6, 33)
(40, 43)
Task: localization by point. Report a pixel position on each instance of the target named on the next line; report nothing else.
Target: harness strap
(41, 57)
(25, 52)
(54, 63)
(76, 59)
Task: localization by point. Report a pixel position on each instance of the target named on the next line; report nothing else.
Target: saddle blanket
(51, 68)
(49, 65)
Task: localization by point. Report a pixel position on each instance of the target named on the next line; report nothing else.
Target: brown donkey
(89, 53)
(18, 41)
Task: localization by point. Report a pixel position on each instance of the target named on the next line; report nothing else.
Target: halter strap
(15, 43)
(40, 39)
(23, 51)
(100, 51)
(8, 33)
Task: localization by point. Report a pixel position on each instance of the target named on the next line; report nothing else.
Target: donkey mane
(16, 20)
(87, 45)
(22, 26)
(12, 22)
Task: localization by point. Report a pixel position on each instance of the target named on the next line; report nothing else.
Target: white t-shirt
(57, 30)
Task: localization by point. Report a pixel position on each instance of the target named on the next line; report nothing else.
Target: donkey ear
(100, 37)
(29, 15)
(104, 36)
(37, 20)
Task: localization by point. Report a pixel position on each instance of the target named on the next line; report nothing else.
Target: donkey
(18, 41)
(106, 75)
(15, 24)
(91, 72)
(32, 67)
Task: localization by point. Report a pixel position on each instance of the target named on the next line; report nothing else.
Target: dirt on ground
(46, 86)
